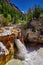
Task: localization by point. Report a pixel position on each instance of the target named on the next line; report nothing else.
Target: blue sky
(24, 5)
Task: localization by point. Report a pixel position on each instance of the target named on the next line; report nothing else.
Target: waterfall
(31, 58)
(21, 47)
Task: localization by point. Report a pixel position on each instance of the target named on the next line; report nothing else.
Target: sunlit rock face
(7, 50)
(3, 49)
(8, 31)
(7, 36)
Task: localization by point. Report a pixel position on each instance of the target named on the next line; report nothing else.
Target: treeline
(13, 16)
(33, 13)
(36, 12)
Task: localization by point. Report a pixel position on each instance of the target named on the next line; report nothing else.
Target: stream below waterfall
(31, 55)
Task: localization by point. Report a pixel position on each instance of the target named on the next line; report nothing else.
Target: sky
(24, 5)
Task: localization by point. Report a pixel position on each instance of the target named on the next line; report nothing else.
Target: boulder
(32, 38)
(15, 62)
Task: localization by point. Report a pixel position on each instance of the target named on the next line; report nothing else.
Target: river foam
(30, 58)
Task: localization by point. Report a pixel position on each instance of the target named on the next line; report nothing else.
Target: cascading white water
(20, 46)
(32, 58)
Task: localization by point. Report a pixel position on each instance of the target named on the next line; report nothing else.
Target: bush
(9, 17)
(0, 20)
(6, 22)
(36, 12)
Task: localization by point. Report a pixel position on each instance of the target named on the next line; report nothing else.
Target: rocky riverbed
(34, 57)
(7, 40)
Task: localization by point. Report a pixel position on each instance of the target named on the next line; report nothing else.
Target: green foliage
(23, 17)
(3, 20)
(9, 12)
(9, 17)
(37, 12)
(0, 20)
(5, 23)
(29, 16)
(13, 15)
(23, 23)
(34, 13)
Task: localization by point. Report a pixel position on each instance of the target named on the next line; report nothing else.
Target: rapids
(30, 58)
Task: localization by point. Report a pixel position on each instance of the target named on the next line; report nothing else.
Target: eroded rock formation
(7, 41)
(7, 37)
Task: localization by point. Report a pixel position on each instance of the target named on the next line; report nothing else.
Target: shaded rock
(32, 38)
(35, 24)
(21, 37)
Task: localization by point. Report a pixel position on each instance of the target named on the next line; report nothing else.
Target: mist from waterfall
(31, 58)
